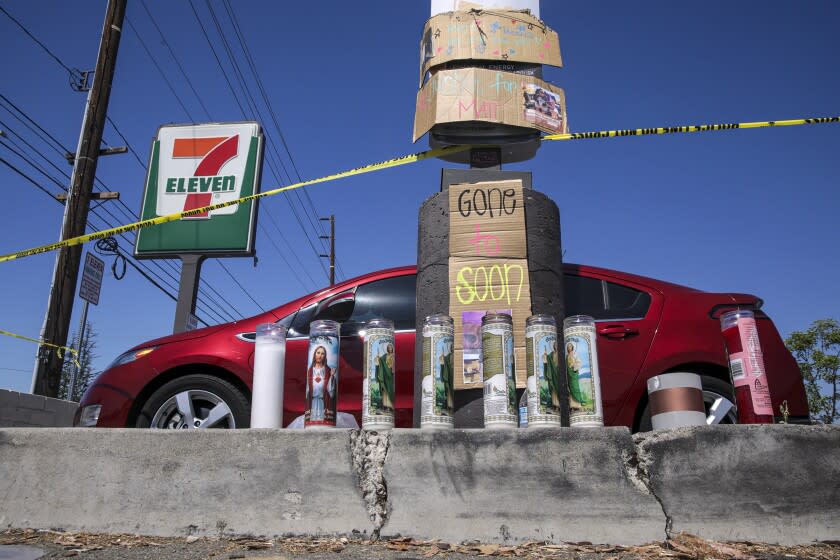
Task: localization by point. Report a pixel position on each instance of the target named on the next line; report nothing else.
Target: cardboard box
(487, 220)
(493, 35)
(476, 94)
(440, 6)
(488, 270)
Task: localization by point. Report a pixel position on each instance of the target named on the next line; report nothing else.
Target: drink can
(543, 370)
(579, 341)
(379, 367)
(322, 375)
(746, 367)
(438, 383)
(499, 371)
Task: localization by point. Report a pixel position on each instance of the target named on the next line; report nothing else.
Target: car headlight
(131, 355)
(89, 416)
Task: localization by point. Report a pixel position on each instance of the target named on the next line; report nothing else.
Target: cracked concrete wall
(511, 486)
(370, 449)
(777, 484)
(759, 483)
(192, 482)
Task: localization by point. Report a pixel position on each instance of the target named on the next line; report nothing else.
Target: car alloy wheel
(193, 409)
(709, 398)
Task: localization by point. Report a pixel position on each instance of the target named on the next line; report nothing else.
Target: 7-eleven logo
(214, 153)
(201, 166)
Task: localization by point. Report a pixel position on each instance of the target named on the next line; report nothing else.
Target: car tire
(193, 402)
(713, 388)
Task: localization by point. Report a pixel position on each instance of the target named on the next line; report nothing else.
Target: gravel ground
(132, 547)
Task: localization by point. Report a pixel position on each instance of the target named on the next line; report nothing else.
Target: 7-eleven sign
(194, 166)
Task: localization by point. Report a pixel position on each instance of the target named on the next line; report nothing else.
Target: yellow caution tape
(677, 129)
(177, 216)
(395, 163)
(59, 349)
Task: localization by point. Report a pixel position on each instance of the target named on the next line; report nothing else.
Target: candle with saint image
(269, 369)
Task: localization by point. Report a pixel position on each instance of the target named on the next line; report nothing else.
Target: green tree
(817, 351)
(84, 374)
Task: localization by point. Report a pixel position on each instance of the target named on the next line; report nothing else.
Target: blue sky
(744, 211)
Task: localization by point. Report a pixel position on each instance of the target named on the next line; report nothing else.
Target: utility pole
(332, 247)
(46, 376)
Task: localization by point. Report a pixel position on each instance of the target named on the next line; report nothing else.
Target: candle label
(498, 368)
(582, 374)
(438, 383)
(747, 367)
(321, 381)
(378, 384)
(543, 367)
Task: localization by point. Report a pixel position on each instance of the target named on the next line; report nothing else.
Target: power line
(126, 211)
(42, 45)
(127, 143)
(232, 277)
(47, 134)
(316, 224)
(27, 177)
(252, 104)
(95, 211)
(56, 142)
(244, 114)
(52, 196)
(175, 58)
(165, 79)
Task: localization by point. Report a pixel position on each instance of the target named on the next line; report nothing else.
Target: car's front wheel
(713, 389)
(196, 401)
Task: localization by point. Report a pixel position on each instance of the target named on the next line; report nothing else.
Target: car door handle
(617, 331)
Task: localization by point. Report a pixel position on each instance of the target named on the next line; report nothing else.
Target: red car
(202, 378)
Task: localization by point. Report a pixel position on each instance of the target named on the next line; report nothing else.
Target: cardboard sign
(477, 286)
(488, 270)
(487, 220)
(478, 94)
(498, 35)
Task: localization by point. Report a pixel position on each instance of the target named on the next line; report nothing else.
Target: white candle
(269, 369)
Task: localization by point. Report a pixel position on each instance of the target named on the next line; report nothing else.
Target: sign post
(89, 290)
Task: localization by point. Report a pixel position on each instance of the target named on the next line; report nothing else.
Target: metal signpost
(89, 290)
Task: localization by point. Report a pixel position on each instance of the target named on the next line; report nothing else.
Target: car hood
(188, 335)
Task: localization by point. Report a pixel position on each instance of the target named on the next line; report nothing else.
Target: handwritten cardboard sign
(488, 270)
(487, 219)
(496, 35)
(480, 94)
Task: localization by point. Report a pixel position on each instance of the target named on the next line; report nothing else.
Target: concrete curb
(194, 482)
(513, 486)
(776, 484)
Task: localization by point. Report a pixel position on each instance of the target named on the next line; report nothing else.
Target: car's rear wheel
(713, 389)
(195, 401)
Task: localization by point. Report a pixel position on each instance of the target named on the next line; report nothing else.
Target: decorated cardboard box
(488, 35)
(490, 96)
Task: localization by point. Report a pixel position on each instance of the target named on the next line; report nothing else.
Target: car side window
(391, 298)
(300, 324)
(603, 300)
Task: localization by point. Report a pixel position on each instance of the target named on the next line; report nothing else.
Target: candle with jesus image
(322, 375)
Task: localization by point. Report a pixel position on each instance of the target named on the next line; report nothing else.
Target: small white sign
(192, 322)
(92, 279)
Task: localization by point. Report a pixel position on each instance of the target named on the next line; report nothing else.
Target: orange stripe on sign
(195, 147)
